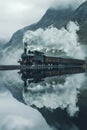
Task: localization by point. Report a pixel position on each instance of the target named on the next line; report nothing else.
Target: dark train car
(71, 61)
(52, 60)
(65, 61)
(38, 58)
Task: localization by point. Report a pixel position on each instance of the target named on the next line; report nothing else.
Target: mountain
(57, 18)
(80, 15)
(83, 33)
(2, 43)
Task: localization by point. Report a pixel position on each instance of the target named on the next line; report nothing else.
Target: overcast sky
(15, 14)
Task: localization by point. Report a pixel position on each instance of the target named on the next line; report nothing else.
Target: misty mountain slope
(2, 43)
(80, 15)
(57, 18)
(83, 33)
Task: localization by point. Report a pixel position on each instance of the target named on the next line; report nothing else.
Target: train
(39, 58)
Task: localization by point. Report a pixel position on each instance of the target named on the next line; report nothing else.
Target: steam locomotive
(38, 58)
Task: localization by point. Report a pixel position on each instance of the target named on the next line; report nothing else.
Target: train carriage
(38, 58)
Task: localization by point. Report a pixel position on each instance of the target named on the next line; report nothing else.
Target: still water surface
(58, 102)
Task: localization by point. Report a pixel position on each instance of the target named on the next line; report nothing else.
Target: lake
(48, 103)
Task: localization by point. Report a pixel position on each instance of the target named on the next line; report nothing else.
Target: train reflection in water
(35, 76)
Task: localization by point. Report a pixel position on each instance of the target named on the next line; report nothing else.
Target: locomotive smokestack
(25, 47)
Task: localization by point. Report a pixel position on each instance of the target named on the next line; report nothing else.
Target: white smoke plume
(55, 40)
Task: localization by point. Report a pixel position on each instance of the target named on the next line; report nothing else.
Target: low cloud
(67, 3)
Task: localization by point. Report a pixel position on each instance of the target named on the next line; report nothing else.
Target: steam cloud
(54, 41)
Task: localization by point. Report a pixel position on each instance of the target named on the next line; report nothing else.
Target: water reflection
(37, 76)
(55, 94)
(42, 87)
